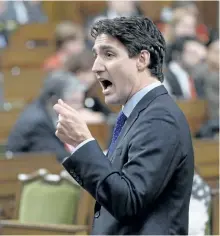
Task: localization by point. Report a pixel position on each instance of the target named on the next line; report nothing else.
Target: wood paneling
(209, 11)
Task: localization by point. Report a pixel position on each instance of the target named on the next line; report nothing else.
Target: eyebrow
(103, 47)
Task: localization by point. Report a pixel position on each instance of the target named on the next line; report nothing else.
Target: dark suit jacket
(35, 132)
(144, 187)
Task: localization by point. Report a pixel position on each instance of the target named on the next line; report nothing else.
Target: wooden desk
(7, 121)
(22, 84)
(13, 227)
(25, 58)
(30, 32)
(195, 111)
(206, 154)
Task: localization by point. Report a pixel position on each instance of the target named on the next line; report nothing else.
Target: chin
(112, 101)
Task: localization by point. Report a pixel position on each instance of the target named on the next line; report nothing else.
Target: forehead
(104, 41)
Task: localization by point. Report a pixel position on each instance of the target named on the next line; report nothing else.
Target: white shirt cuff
(82, 144)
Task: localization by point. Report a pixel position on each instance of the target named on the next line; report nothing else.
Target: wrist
(82, 139)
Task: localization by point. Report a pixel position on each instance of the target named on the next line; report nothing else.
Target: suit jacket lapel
(143, 103)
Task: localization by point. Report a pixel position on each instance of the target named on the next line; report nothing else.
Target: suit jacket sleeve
(152, 159)
(48, 142)
(19, 138)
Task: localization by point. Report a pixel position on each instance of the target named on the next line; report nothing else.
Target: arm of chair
(13, 227)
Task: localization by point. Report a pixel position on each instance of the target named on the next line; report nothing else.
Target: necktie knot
(118, 127)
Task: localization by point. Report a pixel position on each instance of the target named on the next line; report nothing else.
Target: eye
(109, 54)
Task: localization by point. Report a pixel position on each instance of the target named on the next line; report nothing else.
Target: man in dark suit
(34, 130)
(144, 184)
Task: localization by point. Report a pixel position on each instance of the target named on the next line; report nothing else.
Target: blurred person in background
(170, 15)
(113, 9)
(182, 19)
(69, 39)
(187, 53)
(207, 74)
(183, 24)
(121, 8)
(15, 13)
(189, 6)
(82, 69)
(22, 12)
(34, 130)
(202, 31)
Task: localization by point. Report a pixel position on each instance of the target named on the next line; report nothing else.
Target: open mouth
(106, 84)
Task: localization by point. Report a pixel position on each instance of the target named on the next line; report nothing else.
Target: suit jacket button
(97, 214)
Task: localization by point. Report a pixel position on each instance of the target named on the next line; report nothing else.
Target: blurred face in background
(192, 8)
(213, 56)
(74, 96)
(74, 46)
(122, 7)
(186, 26)
(86, 77)
(193, 54)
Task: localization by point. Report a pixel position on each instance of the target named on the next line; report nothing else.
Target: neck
(144, 82)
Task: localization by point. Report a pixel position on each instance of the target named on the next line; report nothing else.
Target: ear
(143, 60)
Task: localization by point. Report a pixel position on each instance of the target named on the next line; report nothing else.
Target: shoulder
(163, 112)
(52, 62)
(32, 115)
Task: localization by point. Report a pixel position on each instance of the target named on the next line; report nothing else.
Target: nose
(98, 66)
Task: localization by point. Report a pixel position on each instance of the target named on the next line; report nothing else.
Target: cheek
(187, 58)
(191, 60)
(121, 76)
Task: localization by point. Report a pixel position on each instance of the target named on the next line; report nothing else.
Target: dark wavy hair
(136, 34)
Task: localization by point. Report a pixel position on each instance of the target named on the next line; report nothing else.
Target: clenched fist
(71, 128)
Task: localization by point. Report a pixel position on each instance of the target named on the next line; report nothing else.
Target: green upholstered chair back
(50, 199)
(2, 148)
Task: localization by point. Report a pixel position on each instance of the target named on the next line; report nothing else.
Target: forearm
(96, 174)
